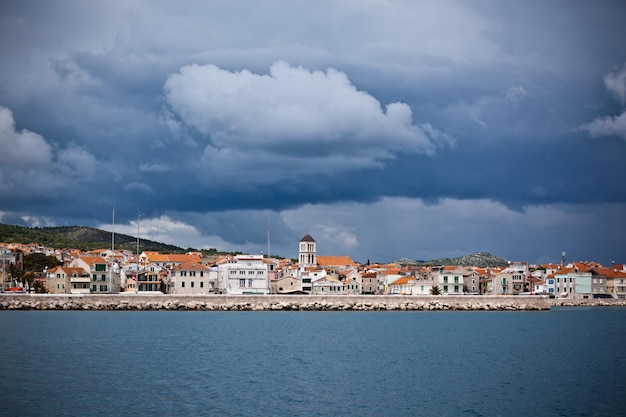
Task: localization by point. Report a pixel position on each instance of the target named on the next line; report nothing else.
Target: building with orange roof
(451, 279)
(580, 281)
(402, 286)
(369, 282)
(68, 280)
(327, 285)
(188, 278)
(103, 278)
(615, 281)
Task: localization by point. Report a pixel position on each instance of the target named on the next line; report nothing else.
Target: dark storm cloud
(319, 119)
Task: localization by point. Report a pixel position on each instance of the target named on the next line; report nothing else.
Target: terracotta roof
(335, 261)
(190, 266)
(92, 260)
(403, 281)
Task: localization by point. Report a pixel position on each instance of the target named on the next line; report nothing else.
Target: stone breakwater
(273, 303)
(290, 302)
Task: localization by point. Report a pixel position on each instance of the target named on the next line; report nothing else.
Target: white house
(188, 278)
(243, 274)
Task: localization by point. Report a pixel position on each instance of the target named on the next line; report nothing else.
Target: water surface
(568, 362)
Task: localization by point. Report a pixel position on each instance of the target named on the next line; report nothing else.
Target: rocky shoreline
(290, 303)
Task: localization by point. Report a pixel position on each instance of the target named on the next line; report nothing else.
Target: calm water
(567, 362)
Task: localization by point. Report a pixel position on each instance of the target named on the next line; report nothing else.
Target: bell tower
(307, 252)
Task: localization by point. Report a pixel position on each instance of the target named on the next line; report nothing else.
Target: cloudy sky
(385, 129)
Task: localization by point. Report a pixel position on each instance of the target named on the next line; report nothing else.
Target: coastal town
(109, 271)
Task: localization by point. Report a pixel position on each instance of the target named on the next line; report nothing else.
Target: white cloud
(392, 228)
(607, 126)
(21, 149)
(615, 83)
(167, 230)
(290, 106)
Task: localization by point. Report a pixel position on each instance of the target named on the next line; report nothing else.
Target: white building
(190, 278)
(244, 274)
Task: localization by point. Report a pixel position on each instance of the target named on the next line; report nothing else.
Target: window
(201, 284)
(250, 272)
(201, 273)
(103, 277)
(192, 284)
(250, 282)
(192, 273)
(456, 280)
(242, 283)
(445, 288)
(94, 277)
(182, 284)
(173, 273)
(445, 279)
(93, 287)
(456, 288)
(183, 273)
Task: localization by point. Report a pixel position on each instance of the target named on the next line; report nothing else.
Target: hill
(479, 259)
(79, 237)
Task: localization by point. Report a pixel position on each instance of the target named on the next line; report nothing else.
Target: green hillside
(79, 237)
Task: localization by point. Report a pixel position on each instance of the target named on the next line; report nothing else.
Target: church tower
(307, 252)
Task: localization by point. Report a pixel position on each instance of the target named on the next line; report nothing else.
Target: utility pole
(137, 276)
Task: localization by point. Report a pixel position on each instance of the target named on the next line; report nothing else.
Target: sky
(384, 129)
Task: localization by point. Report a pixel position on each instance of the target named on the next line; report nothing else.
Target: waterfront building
(151, 278)
(368, 282)
(450, 279)
(351, 287)
(327, 285)
(287, 284)
(243, 274)
(103, 278)
(402, 286)
(68, 280)
(615, 281)
(422, 286)
(511, 280)
(188, 278)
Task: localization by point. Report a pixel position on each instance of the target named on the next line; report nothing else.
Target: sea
(563, 362)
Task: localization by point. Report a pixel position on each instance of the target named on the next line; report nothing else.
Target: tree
(435, 290)
(37, 262)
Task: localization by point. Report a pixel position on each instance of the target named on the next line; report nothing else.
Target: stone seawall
(272, 302)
